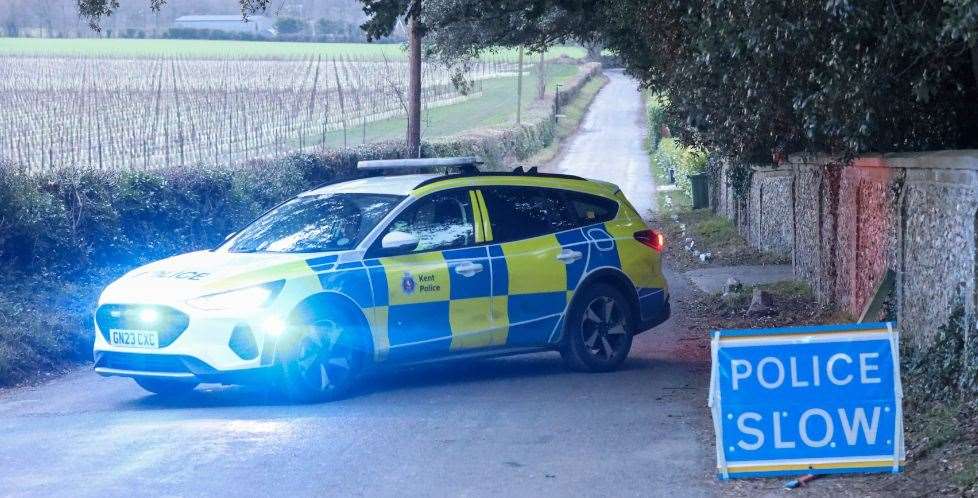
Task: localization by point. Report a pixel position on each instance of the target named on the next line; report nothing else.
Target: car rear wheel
(320, 361)
(165, 387)
(598, 333)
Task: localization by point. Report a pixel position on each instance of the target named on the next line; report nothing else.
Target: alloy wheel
(603, 328)
(324, 362)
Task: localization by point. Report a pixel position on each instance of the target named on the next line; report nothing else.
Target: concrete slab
(712, 280)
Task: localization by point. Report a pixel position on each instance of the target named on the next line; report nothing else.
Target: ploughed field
(111, 112)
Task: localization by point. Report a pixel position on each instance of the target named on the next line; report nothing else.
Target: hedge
(667, 152)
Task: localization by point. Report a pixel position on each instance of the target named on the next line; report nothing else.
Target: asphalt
(609, 143)
(520, 426)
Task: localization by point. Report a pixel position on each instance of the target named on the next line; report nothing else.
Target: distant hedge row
(666, 152)
(220, 34)
(65, 222)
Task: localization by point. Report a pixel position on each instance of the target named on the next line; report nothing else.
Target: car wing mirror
(400, 241)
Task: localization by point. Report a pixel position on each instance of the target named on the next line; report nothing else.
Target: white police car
(395, 269)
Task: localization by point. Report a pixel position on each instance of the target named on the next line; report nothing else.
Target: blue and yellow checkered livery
(420, 305)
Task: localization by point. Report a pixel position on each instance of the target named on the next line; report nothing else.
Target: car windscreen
(315, 223)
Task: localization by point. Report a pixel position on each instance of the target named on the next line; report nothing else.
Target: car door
(438, 293)
(543, 255)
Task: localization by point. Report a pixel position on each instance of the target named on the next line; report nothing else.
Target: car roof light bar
(467, 164)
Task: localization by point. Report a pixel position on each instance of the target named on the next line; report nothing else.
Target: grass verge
(708, 233)
(44, 326)
(494, 106)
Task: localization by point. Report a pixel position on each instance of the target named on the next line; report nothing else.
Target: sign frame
(804, 336)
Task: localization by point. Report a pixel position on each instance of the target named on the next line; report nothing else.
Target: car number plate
(146, 339)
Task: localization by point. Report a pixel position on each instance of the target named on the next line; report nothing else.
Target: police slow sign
(807, 400)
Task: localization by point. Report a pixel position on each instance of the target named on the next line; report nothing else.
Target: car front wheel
(320, 361)
(598, 331)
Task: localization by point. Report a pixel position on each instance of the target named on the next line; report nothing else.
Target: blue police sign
(807, 400)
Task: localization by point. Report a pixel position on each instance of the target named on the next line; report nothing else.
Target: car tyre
(165, 387)
(598, 331)
(321, 360)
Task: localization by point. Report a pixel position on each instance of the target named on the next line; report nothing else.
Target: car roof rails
(466, 165)
(520, 171)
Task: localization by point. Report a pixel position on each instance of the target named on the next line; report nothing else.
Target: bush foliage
(669, 153)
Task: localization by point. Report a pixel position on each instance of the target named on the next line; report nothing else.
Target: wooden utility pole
(414, 80)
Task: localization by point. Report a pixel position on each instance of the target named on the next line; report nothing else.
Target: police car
(393, 269)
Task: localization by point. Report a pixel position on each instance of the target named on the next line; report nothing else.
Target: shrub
(655, 108)
(685, 160)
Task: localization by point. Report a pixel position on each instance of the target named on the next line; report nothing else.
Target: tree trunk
(414, 88)
(594, 51)
(519, 88)
(974, 62)
(542, 73)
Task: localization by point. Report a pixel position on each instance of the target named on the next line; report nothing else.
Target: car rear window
(524, 212)
(592, 209)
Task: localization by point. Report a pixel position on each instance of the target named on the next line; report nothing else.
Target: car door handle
(468, 268)
(568, 256)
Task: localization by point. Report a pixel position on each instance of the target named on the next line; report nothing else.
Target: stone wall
(845, 225)
(765, 218)
(770, 224)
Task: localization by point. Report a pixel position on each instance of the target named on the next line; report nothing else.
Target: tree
(383, 17)
(460, 30)
(747, 78)
(289, 26)
(327, 26)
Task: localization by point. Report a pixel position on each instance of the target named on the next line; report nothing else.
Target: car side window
(591, 209)
(524, 212)
(442, 220)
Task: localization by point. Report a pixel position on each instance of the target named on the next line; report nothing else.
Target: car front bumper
(206, 347)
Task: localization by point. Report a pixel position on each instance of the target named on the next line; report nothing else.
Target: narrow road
(521, 426)
(610, 143)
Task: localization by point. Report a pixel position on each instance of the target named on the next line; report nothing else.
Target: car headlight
(240, 299)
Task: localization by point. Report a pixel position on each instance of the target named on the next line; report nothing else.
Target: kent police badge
(407, 283)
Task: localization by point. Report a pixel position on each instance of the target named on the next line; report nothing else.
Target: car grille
(142, 362)
(169, 323)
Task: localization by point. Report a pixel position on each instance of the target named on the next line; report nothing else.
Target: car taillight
(651, 238)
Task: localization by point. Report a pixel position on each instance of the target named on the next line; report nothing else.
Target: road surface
(521, 426)
(609, 145)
